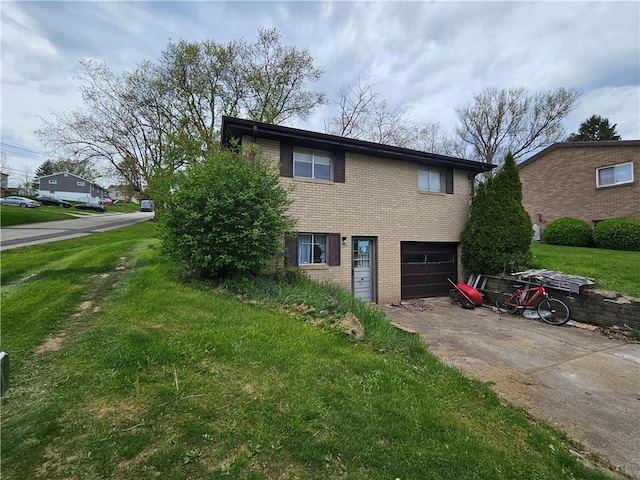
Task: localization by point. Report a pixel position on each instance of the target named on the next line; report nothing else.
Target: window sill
(598, 187)
(313, 180)
(313, 266)
(428, 192)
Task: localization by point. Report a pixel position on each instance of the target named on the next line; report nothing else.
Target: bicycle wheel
(553, 311)
(505, 303)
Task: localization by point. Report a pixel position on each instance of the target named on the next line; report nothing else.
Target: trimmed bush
(618, 234)
(225, 216)
(568, 231)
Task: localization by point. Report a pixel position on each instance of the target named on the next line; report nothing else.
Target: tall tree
(502, 121)
(596, 129)
(363, 114)
(166, 115)
(497, 237)
(46, 168)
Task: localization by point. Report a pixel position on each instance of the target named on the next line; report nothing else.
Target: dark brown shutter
(286, 160)
(291, 247)
(448, 180)
(338, 166)
(334, 249)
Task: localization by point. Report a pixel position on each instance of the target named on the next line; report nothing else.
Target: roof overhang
(238, 128)
(589, 144)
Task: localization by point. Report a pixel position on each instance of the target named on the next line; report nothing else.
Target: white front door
(363, 268)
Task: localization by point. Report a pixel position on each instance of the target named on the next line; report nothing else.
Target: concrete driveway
(580, 381)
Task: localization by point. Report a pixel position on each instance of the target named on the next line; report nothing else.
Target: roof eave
(235, 127)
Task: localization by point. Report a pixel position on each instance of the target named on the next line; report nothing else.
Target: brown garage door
(426, 267)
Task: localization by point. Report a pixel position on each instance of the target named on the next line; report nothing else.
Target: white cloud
(431, 55)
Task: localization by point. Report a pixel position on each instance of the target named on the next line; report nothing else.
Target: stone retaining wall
(596, 307)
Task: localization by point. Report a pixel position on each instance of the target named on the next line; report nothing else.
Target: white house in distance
(74, 188)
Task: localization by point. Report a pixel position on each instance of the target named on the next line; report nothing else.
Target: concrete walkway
(580, 381)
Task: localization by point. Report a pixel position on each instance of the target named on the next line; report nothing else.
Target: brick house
(592, 181)
(68, 186)
(382, 221)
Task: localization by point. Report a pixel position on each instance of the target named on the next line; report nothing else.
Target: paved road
(579, 380)
(35, 233)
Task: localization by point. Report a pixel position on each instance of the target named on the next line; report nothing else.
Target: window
(312, 249)
(614, 175)
(430, 180)
(311, 164)
(53, 182)
(80, 184)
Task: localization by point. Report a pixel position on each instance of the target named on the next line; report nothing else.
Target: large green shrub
(618, 234)
(498, 234)
(225, 216)
(568, 231)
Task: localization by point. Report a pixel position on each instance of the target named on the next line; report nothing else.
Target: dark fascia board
(601, 144)
(237, 128)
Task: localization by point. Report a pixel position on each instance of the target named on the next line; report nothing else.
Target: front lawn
(122, 369)
(612, 269)
(20, 216)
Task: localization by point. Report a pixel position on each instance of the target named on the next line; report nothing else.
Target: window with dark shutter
(448, 180)
(286, 160)
(334, 249)
(291, 246)
(338, 166)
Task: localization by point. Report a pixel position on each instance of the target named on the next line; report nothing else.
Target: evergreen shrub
(621, 233)
(568, 231)
(497, 236)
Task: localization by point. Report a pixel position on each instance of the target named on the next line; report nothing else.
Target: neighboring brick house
(592, 181)
(68, 186)
(382, 221)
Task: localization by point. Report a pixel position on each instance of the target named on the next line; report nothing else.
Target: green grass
(48, 213)
(123, 369)
(19, 216)
(612, 269)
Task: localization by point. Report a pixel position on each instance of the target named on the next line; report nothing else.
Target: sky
(429, 56)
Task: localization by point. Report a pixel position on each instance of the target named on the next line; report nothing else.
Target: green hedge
(618, 234)
(568, 231)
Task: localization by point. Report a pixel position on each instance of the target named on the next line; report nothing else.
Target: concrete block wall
(379, 199)
(595, 307)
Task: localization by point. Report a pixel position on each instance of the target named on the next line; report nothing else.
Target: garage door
(426, 267)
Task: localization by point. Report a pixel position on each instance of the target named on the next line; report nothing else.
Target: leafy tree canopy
(224, 216)
(596, 129)
(139, 121)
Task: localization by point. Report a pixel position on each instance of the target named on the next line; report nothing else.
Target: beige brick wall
(379, 199)
(563, 184)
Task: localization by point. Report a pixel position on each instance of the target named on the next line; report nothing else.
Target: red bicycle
(550, 310)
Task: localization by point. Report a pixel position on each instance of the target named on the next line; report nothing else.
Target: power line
(4, 144)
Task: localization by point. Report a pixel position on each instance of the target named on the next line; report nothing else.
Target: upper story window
(80, 184)
(53, 182)
(431, 179)
(311, 164)
(614, 175)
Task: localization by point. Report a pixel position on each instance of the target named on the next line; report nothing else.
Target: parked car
(23, 202)
(146, 206)
(49, 200)
(96, 207)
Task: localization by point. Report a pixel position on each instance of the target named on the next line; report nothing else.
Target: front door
(364, 268)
